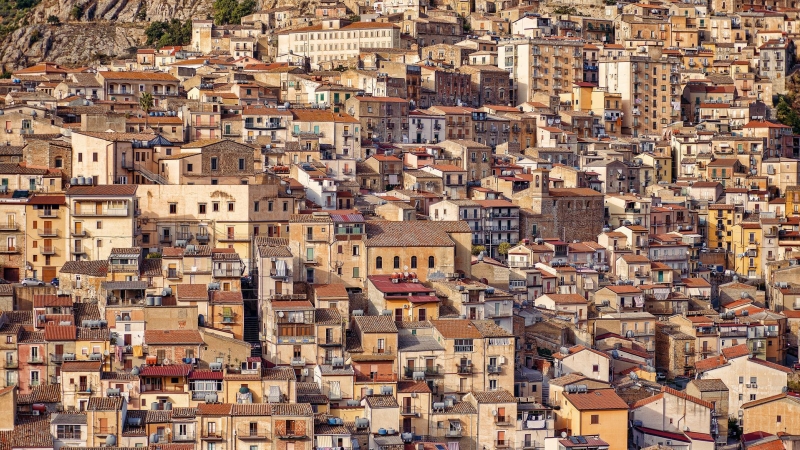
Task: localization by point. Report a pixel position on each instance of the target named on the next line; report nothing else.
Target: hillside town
(455, 225)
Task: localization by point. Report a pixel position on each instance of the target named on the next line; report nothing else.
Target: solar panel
(582, 440)
(574, 440)
(440, 447)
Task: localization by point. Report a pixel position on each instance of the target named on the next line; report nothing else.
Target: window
(256, 206)
(355, 272)
(741, 380)
(355, 250)
(752, 397)
(241, 163)
(463, 345)
(431, 262)
(189, 167)
(379, 263)
(214, 164)
(778, 419)
(80, 157)
(492, 385)
(396, 262)
(98, 225)
(753, 380)
(215, 206)
(230, 206)
(413, 262)
(201, 208)
(173, 208)
(595, 368)
(94, 157)
(595, 419)
(59, 163)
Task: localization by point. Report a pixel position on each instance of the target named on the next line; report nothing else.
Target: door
(501, 438)
(126, 339)
(103, 425)
(12, 243)
(78, 228)
(660, 276)
(423, 314)
(59, 350)
(278, 287)
(98, 208)
(406, 405)
(398, 314)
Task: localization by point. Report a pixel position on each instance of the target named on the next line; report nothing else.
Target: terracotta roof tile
(214, 409)
(376, 324)
(172, 337)
(596, 400)
(104, 404)
(82, 366)
(191, 292)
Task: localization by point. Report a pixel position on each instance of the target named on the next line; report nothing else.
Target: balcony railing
(503, 421)
(48, 213)
(298, 361)
(464, 369)
(35, 360)
(189, 436)
(116, 212)
(494, 369)
(68, 435)
(11, 364)
(290, 433)
(47, 250)
(9, 225)
(502, 443)
(48, 232)
(453, 433)
(247, 434)
(408, 410)
(377, 377)
(227, 273)
(213, 435)
(108, 429)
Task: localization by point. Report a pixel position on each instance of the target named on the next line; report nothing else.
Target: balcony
(298, 361)
(173, 274)
(503, 421)
(78, 233)
(332, 341)
(105, 431)
(290, 433)
(296, 340)
(504, 443)
(67, 435)
(376, 377)
(464, 369)
(9, 225)
(78, 251)
(539, 424)
(190, 436)
(494, 370)
(248, 434)
(408, 411)
(227, 273)
(212, 435)
(453, 433)
(48, 213)
(47, 250)
(48, 232)
(35, 360)
(113, 212)
(84, 388)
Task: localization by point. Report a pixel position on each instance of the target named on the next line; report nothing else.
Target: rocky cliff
(106, 29)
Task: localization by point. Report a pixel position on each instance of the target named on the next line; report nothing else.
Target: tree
(788, 115)
(231, 11)
(53, 20)
(77, 12)
(477, 249)
(174, 32)
(146, 103)
(503, 248)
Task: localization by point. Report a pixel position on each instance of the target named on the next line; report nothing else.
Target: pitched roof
(172, 337)
(596, 400)
(736, 351)
(496, 396)
(376, 324)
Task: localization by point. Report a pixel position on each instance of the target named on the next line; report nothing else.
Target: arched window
(396, 262)
(414, 261)
(431, 262)
(379, 263)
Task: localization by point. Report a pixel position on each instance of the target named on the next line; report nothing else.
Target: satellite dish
(405, 268)
(280, 314)
(563, 434)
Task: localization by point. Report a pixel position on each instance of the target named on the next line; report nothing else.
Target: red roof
(383, 283)
(664, 434)
(174, 370)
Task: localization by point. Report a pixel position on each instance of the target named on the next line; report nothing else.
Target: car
(32, 282)
(54, 282)
(796, 366)
(4, 281)
(661, 376)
